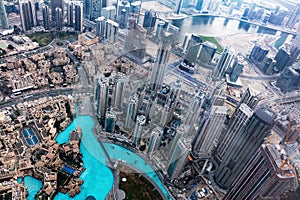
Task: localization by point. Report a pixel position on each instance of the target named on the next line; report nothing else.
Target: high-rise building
(258, 54)
(46, 17)
(27, 14)
(109, 12)
(87, 8)
(155, 140)
(239, 4)
(181, 131)
(208, 135)
(3, 16)
(186, 39)
(193, 48)
(138, 129)
(179, 158)
(237, 123)
(131, 111)
(250, 98)
(162, 25)
(161, 61)
(175, 30)
(294, 17)
(289, 79)
(277, 18)
(100, 27)
(111, 31)
(110, 121)
(96, 8)
(178, 6)
(149, 21)
(237, 68)
(194, 110)
(268, 65)
(120, 82)
(223, 63)
(282, 59)
(70, 17)
(59, 18)
(57, 4)
(243, 146)
(78, 16)
(207, 52)
(199, 5)
(123, 13)
(101, 96)
(268, 174)
(292, 135)
(36, 9)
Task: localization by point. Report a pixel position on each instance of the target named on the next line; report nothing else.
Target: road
(37, 95)
(81, 71)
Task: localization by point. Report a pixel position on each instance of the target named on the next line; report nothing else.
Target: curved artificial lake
(98, 178)
(33, 186)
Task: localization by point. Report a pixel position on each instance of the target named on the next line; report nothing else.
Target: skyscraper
(96, 8)
(237, 68)
(223, 63)
(120, 82)
(59, 18)
(109, 12)
(268, 174)
(207, 52)
(199, 5)
(258, 53)
(70, 18)
(87, 8)
(131, 111)
(181, 131)
(100, 27)
(194, 110)
(46, 22)
(208, 135)
(250, 98)
(237, 123)
(101, 96)
(162, 25)
(193, 48)
(178, 6)
(3, 16)
(289, 79)
(111, 31)
(138, 129)
(243, 146)
(149, 21)
(155, 140)
(57, 4)
(179, 158)
(110, 121)
(27, 14)
(294, 17)
(78, 16)
(161, 61)
(123, 13)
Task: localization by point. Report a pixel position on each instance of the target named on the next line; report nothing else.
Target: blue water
(119, 152)
(33, 186)
(98, 178)
(68, 169)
